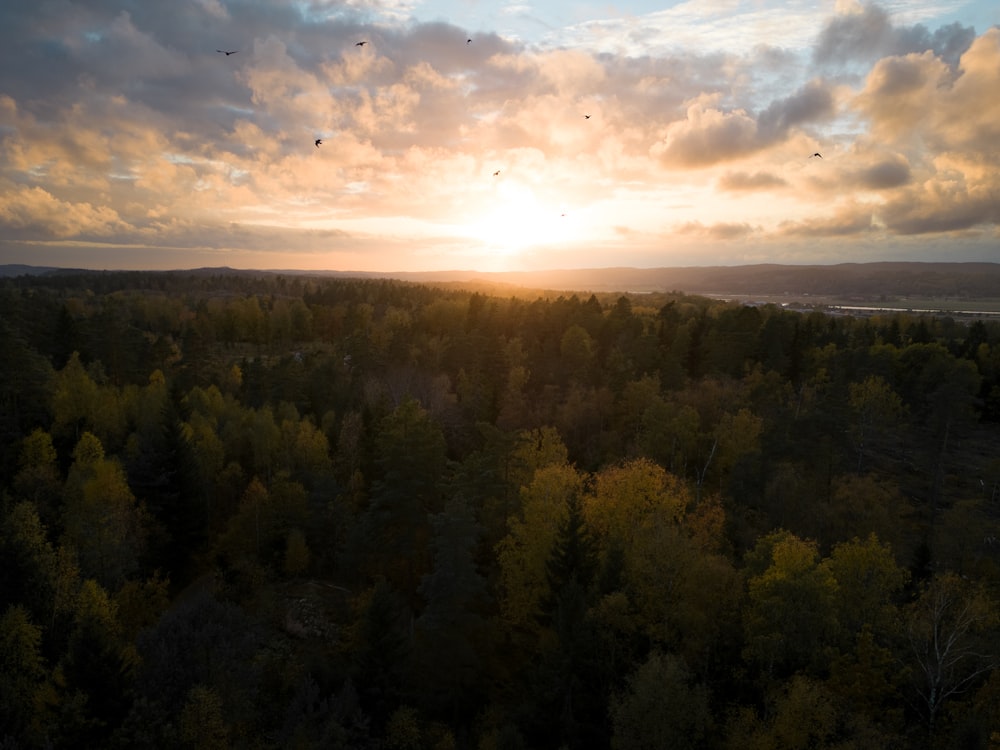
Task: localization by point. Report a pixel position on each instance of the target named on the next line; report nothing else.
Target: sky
(494, 136)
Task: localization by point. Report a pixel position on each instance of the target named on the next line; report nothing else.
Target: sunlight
(517, 220)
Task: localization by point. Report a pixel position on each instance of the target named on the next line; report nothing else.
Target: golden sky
(470, 135)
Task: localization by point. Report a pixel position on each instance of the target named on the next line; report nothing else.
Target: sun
(516, 220)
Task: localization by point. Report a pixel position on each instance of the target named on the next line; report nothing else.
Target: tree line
(249, 510)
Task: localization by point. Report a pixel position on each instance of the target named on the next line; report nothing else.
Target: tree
(199, 642)
(411, 459)
(523, 553)
(451, 630)
(868, 581)
(790, 616)
(37, 478)
(74, 399)
(27, 562)
(952, 633)
(96, 670)
(576, 349)
(877, 409)
(202, 721)
(569, 569)
(22, 675)
(380, 648)
(570, 680)
(102, 519)
(660, 707)
(629, 496)
(803, 714)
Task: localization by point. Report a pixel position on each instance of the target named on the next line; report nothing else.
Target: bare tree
(949, 629)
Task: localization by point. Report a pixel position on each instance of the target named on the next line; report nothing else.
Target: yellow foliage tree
(631, 496)
(523, 553)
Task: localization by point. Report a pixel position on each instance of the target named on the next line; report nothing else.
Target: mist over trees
(284, 512)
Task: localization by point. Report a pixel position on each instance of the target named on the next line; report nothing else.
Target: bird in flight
(468, 41)
(586, 117)
(319, 142)
(497, 173)
(227, 52)
(360, 44)
(817, 154)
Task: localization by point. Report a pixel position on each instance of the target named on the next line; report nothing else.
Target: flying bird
(360, 44)
(497, 173)
(227, 52)
(468, 41)
(817, 154)
(586, 117)
(319, 142)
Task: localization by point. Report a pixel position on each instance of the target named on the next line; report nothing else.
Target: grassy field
(988, 307)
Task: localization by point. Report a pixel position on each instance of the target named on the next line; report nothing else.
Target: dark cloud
(710, 135)
(811, 103)
(854, 36)
(936, 211)
(870, 34)
(887, 174)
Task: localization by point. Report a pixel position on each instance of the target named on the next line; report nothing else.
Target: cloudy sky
(467, 134)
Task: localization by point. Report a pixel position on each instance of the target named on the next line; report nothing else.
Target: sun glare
(517, 220)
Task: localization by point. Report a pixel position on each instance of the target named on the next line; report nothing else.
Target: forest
(281, 511)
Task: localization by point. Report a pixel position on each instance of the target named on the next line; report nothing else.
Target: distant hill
(868, 281)
(18, 269)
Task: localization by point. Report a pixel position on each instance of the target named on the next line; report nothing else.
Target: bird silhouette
(586, 117)
(497, 173)
(817, 154)
(360, 44)
(468, 41)
(319, 142)
(227, 52)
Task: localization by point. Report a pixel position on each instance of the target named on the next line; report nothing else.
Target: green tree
(37, 478)
(868, 583)
(202, 721)
(411, 459)
(95, 673)
(381, 648)
(74, 399)
(102, 519)
(451, 630)
(660, 707)
(789, 619)
(876, 409)
(22, 676)
(27, 562)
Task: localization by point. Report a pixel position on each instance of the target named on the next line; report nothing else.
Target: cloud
(943, 206)
(747, 182)
(850, 219)
(213, 8)
(130, 127)
(866, 33)
(940, 125)
(709, 135)
(886, 174)
(33, 213)
(716, 231)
